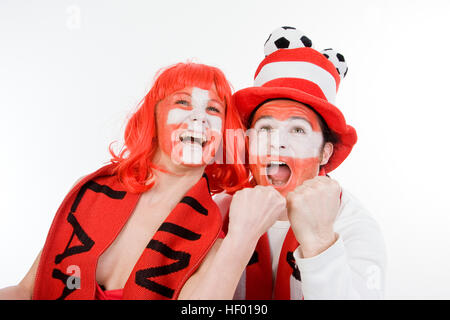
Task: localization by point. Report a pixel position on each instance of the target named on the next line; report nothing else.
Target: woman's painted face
(190, 125)
(285, 145)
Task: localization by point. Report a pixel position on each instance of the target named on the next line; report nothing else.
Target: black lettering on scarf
(179, 231)
(291, 261)
(98, 188)
(182, 258)
(86, 242)
(143, 276)
(57, 274)
(207, 181)
(194, 204)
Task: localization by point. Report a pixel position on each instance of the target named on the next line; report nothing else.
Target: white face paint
(197, 120)
(192, 154)
(293, 137)
(203, 120)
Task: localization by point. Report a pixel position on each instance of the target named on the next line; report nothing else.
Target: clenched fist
(312, 210)
(253, 211)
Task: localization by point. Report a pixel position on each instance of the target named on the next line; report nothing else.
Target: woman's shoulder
(106, 170)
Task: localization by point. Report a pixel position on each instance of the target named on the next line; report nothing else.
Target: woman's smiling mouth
(193, 138)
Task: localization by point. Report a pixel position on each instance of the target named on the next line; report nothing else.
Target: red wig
(134, 162)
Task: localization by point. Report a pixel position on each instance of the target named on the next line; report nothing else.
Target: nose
(199, 116)
(198, 119)
(275, 146)
(277, 141)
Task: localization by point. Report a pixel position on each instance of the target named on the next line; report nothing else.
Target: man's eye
(182, 101)
(213, 109)
(298, 130)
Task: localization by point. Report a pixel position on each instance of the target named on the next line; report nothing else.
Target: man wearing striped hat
(324, 245)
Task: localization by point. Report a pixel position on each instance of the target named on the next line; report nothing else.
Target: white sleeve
(354, 266)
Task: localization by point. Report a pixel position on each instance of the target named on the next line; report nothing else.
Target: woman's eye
(298, 130)
(265, 129)
(213, 109)
(183, 102)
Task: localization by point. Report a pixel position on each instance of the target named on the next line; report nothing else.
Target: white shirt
(276, 234)
(352, 268)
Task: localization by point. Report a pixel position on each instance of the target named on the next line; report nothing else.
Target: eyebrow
(290, 118)
(299, 118)
(181, 92)
(264, 117)
(217, 101)
(221, 104)
(188, 94)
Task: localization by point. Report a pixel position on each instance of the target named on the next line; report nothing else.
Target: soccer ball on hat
(338, 60)
(286, 38)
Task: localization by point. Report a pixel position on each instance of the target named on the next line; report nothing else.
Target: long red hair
(134, 165)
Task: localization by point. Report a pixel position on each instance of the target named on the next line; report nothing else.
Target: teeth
(192, 136)
(277, 163)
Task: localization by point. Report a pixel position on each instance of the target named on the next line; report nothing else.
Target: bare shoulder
(77, 181)
(26, 285)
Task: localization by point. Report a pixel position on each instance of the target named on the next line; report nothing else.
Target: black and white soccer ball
(338, 60)
(286, 38)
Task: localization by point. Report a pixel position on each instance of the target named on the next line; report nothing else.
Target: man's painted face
(285, 145)
(189, 125)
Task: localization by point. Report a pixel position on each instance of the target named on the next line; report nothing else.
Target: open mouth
(190, 137)
(278, 173)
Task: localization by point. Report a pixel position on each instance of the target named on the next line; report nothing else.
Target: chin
(193, 155)
(201, 163)
(284, 190)
(195, 163)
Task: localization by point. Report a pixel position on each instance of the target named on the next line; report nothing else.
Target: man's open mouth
(278, 173)
(190, 137)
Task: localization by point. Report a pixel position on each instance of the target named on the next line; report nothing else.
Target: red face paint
(189, 126)
(293, 138)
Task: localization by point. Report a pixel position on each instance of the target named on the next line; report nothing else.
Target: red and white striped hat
(307, 76)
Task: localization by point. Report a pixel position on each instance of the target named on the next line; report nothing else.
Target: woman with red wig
(145, 225)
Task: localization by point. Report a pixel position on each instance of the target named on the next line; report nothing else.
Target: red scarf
(258, 273)
(90, 218)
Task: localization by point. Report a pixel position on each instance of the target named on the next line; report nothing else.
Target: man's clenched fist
(312, 210)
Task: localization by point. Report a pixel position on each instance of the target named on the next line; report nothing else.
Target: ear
(327, 152)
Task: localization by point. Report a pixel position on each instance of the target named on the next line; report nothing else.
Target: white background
(72, 71)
